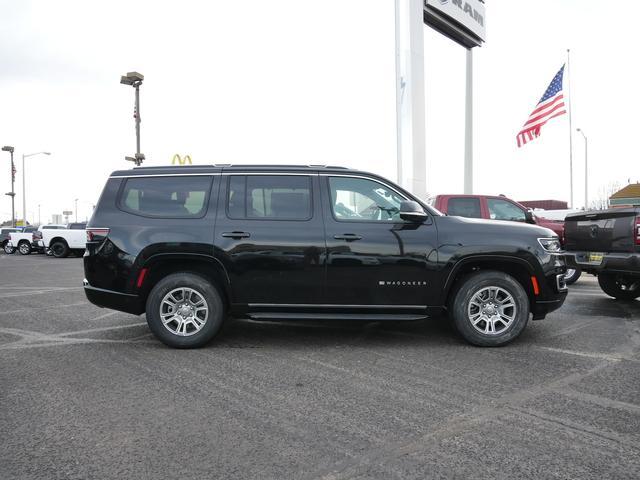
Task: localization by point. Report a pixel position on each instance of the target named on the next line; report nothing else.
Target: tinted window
(359, 199)
(77, 226)
(166, 196)
(269, 197)
(464, 207)
(504, 210)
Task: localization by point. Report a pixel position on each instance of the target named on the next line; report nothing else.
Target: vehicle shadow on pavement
(260, 334)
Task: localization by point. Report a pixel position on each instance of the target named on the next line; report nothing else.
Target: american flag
(551, 105)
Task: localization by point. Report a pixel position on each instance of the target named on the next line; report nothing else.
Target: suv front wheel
(490, 308)
(185, 310)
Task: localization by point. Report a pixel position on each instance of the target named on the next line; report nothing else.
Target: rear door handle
(349, 237)
(236, 235)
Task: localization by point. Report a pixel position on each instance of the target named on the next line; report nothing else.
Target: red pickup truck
(499, 207)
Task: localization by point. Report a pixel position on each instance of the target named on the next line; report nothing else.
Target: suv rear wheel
(619, 287)
(184, 310)
(490, 308)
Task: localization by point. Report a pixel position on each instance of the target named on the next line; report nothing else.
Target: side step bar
(369, 317)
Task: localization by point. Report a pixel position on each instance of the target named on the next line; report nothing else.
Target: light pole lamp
(135, 80)
(586, 172)
(24, 194)
(12, 193)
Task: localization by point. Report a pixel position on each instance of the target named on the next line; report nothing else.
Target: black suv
(192, 245)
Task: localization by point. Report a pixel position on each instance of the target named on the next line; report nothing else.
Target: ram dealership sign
(461, 20)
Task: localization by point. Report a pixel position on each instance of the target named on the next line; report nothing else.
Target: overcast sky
(302, 81)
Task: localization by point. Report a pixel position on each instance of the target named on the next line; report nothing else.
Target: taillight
(637, 230)
(97, 234)
(9, 237)
(35, 236)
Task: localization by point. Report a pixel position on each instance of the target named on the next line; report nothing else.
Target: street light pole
(76, 210)
(586, 171)
(24, 190)
(12, 193)
(135, 80)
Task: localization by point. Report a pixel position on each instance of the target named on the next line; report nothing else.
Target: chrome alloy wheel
(184, 311)
(491, 310)
(24, 248)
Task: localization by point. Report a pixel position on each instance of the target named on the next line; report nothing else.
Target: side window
(269, 197)
(178, 197)
(464, 207)
(359, 199)
(504, 210)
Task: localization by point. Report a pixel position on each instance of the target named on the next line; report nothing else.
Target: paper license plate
(594, 257)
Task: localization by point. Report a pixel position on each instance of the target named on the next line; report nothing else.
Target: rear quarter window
(166, 197)
(464, 207)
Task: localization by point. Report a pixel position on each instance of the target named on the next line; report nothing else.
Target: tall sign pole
(468, 130)
(410, 97)
(569, 73)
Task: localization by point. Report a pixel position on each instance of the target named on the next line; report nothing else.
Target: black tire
(59, 249)
(572, 276)
(7, 249)
(192, 339)
(478, 283)
(24, 248)
(619, 287)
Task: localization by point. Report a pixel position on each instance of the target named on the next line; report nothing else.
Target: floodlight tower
(135, 80)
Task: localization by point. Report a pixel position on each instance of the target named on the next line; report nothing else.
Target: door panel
(270, 237)
(375, 258)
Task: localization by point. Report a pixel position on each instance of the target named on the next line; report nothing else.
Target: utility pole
(468, 130)
(12, 193)
(76, 210)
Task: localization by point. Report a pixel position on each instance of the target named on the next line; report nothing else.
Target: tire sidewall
(609, 285)
(24, 246)
(574, 278)
(63, 252)
(469, 287)
(210, 294)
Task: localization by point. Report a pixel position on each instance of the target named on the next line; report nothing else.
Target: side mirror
(528, 216)
(412, 212)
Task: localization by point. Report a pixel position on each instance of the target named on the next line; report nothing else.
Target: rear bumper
(123, 302)
(622, 263)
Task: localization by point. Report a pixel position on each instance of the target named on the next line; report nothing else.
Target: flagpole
(570, 101)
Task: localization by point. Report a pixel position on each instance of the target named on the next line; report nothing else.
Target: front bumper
(621, 263)
(123, 302)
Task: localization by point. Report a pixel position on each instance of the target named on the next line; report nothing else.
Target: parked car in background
(499, 207)
(192, 245)
(26, 241)
(62, 242)
(607, 244)
(4, 239)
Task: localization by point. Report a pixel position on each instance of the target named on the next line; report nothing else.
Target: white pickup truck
(60, 243)
(25, 241)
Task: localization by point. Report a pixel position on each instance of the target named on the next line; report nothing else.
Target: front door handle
(236, 235)
(349, 237)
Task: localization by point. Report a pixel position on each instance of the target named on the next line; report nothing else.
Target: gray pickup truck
(607, 244)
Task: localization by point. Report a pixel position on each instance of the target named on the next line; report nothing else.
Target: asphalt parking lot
(89, 393)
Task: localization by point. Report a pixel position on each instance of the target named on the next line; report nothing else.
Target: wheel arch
(58, 239)
(517, 267)
(160, 265)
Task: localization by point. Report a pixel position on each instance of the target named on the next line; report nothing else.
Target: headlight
(551, 245)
